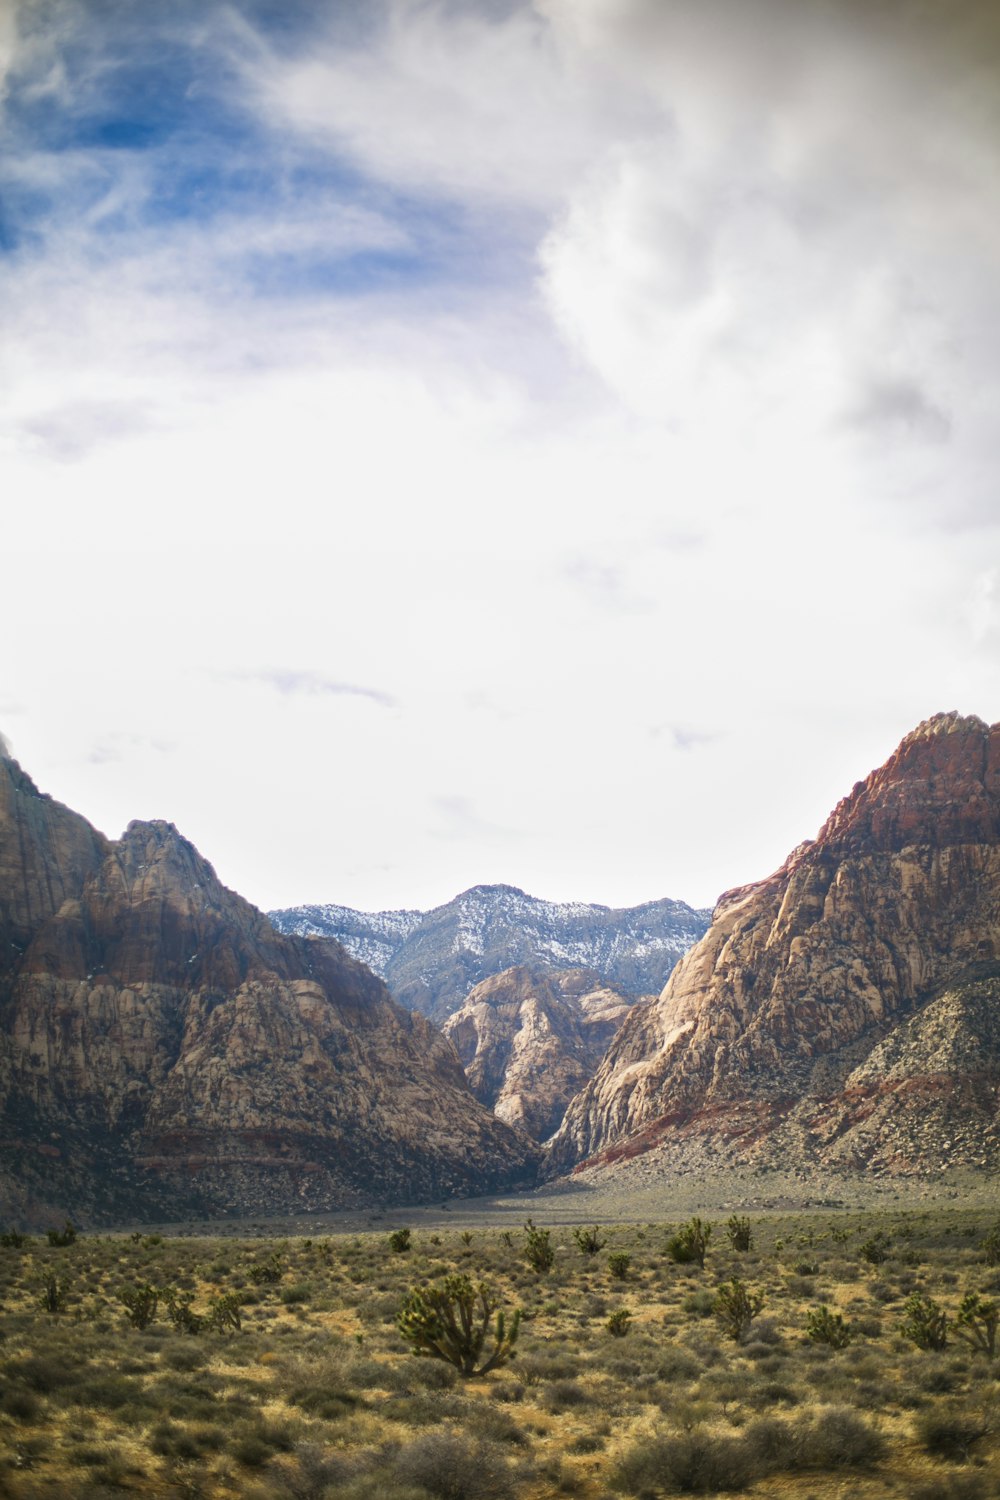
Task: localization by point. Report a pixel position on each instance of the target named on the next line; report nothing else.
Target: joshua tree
(690, 1242)
(735, 1308)
(451, 1322)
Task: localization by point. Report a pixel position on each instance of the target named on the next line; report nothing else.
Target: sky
(444, 444)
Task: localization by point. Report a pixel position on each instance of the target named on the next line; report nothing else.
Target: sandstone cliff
(772, 1039)
(164, 1050)
(529, 1038)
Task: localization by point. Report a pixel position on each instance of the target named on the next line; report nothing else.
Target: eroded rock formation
(773, 1038)
(163, 1050)
(529, 1038)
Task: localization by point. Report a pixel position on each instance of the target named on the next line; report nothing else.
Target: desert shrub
(977, 1320)
(538, 1248)
(295, 1296)
(949, 1430)
(561, 1395)
(12, 1239)
(825, 1327)
(690, 1244)
(43, 1373)
(838, 1438)
(451, 1321)
(224, 1313)
(52, 1294)
(617, 1324)
(64, 1236)
(22, 1405)
(990, 1246)
(266, 1272)
(447, 1466)
(735, 1309)
(739, 1233)
(184, 1356)
(589, 1240)
(875, 1249)
(399, 1241)
(180, 1312)
(924, 1323)
(690, 1463)
(619, 1262)
(700, 1304)
(140, 1303)
(951, 1487)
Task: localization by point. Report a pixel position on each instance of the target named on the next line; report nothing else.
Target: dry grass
(316, 1395)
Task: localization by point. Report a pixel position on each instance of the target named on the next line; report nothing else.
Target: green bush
(52, 1296)
(538, 1248)
(266, 1272)
(619, 1262)
(399, 1241)
(977, 1320)
(825, 1327)
(875, 1249)
(735, 1309)
(690, 1243)
(739, 1233)
(589, 1240)
(64, 1236)
(140, 1303)
(618, 1323)
(925, 1323)
(990, 1246)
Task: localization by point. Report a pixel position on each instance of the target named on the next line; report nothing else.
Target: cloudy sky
(446, 443)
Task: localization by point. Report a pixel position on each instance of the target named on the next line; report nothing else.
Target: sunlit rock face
(854, 984)
(530, 1038)
(163, 1050)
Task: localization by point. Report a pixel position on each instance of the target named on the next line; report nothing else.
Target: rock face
(163, 1050)
(431, 960)
(530, 1038)
(856, 983)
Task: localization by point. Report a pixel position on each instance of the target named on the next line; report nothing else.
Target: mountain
(431, 960)
(844, 1010)
(163, 1050)
(529, 1038)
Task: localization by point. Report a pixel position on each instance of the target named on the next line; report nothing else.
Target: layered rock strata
(773, 1037)
(163, 1050)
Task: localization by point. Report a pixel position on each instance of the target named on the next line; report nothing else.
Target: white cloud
(715, 522)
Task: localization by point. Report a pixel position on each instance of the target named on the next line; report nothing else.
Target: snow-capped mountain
(431, 960)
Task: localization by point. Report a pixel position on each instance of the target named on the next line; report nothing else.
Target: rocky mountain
(431, 960)
(844, 1010)
(163, 1050)
(530, 1038)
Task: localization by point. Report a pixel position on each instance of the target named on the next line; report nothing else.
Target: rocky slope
(431, 960)
(530, 1038)
(839, 1012)
(163, 1050)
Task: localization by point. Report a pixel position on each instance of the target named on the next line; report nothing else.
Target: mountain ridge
(432, 963)
(163, 1049)
(749, 1051)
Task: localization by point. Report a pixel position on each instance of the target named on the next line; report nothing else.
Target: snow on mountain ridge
(432, 959)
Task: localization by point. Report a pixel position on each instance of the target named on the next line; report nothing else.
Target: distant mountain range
(432, 959)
